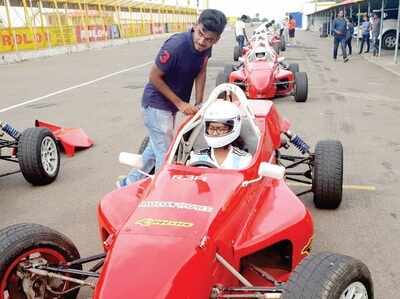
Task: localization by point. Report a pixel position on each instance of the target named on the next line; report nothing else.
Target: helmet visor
(218, 128)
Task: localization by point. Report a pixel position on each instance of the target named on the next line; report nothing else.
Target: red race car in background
(264, 75)
(191, 231)
(266, 34)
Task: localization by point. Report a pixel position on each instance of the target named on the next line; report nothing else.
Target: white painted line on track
(75, 87)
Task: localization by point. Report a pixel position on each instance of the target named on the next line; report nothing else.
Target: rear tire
(283, 44)
(20, 242)
(301, 87)
(329, 276)
(327, 183)
(38, 156)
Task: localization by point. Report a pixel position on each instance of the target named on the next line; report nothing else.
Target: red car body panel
(169, 253)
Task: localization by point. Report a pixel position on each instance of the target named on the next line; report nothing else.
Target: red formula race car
(262, 75)
(262, 34)
(191, 231)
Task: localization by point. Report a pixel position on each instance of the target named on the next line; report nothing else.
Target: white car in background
(389, 34)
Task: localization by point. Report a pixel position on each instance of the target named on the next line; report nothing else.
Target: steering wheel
(203, 164)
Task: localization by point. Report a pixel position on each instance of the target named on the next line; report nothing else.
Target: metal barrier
(47, 24)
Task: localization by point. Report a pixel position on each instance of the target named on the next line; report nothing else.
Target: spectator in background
(349, 35)
(365, 28)
(375, 30)
(292, 29)
(240, 31)
(339, 28)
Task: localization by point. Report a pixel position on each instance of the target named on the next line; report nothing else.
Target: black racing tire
(389, 40)
(294, 67)
(327, 183)
(22, 241)
(237, 52)
(38, 156)
(276, 48)
(142, 147)
(283, 43)
(327, 276)
(301, 87)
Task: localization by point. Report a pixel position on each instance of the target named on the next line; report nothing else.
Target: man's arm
(156, 78)
(200, 83)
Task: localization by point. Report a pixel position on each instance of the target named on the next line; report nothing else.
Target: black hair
(213, 20)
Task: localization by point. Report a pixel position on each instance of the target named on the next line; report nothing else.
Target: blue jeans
(160, 125)
(336, 42)
(240, 41)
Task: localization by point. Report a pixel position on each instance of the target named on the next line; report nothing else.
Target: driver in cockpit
(222, 126)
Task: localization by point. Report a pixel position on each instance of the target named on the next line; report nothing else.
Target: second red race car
(264, 75)
(196, 231)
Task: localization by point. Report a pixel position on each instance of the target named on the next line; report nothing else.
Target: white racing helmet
(222, 112)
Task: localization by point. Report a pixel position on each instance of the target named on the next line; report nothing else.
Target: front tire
(38, 156)
(329, 276)
(301, 87)
(27, 242)
(327, 183)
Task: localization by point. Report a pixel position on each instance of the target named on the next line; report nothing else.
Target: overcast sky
(266, 8)
(271, 9)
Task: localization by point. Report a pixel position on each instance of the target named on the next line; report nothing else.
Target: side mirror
(272, 171)
(281, 59)
(134, 160)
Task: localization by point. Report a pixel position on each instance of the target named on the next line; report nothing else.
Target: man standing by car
(375, 30)
(240, 31)
(365, 28)
(181, 61)
(349, 35)
(339, 32)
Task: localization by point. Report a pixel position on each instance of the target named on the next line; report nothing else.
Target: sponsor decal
(164, 57)
(175, 205)
(307, 249)
(163, 222)
(191, 178)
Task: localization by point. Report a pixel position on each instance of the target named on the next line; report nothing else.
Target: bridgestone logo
(175, 205)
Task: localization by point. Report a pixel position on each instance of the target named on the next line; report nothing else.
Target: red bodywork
(263, 79)
(69, 138)
(159, 252)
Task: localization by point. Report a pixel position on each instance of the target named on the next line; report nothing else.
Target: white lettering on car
(175, 205)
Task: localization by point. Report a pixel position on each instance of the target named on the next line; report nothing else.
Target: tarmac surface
(355, 102)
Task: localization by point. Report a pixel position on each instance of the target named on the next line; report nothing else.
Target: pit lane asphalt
(357, 103)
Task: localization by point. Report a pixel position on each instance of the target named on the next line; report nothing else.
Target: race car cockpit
(191, 136)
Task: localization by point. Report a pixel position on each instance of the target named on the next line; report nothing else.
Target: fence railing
(42, 25)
